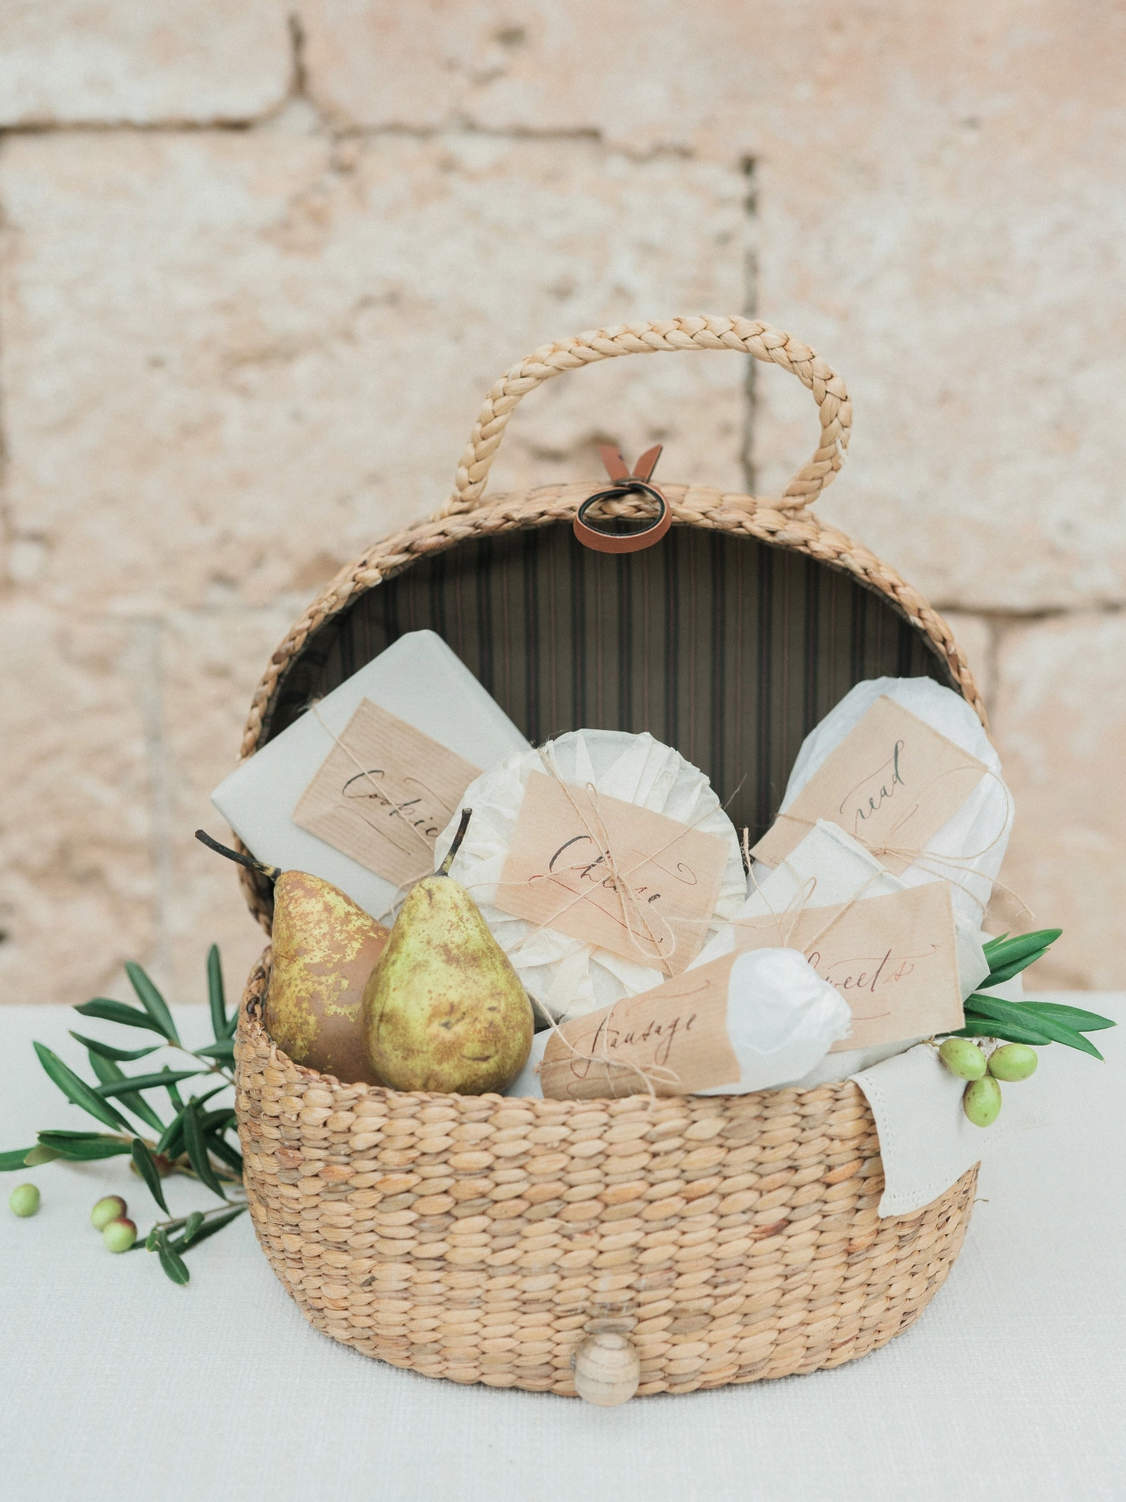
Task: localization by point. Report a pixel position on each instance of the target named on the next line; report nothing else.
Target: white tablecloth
(117, 1385)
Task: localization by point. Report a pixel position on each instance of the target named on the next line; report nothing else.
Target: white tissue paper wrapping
(527, 1082)
(566, 976)
(828, 867)
(781, 1017)
(977, 835)
(420, 680)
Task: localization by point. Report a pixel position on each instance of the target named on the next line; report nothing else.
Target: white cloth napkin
(926, 1140)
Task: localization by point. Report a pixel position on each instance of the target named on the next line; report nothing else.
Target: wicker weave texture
(481, 1239)
(668, 336)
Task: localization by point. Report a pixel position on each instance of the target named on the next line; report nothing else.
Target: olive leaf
(127, 1084)
(191, 1226)
(9, 1162)
(1003, 950)
(225, 1152)
(77, 1091)
(224, 1049)
(41, 1154)
(173, 1093)
(84, 1147)
(1009, 956)
(118, 1011)
(171, 1143)
(1006, 1031)
(109, 1072)
(148, 1171)
(196, 1146)
(152, 1001)
(210, 1226)
(986, 1016)
(108, 1051)
(215, 995)
(171, 1261)
(1083, 1022)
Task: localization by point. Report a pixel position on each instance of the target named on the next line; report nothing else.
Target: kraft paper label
(893, 959)
(673, 1038)
(557, 875)
(384, 793)
(892, 783)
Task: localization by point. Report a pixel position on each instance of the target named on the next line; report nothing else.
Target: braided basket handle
(745, 335)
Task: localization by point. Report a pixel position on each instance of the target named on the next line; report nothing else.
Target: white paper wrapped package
(781, 1017)
(565, 975)
(970, 846)
(825, 868)
(419, 679)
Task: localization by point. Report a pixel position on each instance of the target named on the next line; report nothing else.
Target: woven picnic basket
(483, 1238)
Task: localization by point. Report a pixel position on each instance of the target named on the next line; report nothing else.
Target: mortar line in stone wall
(462, 126)
(1001, 619)
(342, 134)
(299, 79)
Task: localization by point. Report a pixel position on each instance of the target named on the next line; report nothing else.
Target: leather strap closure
(636, 483)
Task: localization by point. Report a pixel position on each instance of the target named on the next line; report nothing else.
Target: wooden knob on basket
(607, 1369)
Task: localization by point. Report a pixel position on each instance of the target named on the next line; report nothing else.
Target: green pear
(324, 948)
(444, 1010)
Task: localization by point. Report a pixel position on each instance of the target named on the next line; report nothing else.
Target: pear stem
(444, 868)
(270, 872)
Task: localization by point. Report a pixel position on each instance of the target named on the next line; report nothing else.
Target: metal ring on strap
(623, 542)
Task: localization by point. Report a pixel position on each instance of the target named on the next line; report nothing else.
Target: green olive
(1016, 1061)
(24, 1200)
(982, 1101)
(106, 1210)
(120, 1234)
(963, 1058)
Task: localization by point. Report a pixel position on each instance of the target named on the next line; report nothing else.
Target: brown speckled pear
(444, 1010)
(324, 950)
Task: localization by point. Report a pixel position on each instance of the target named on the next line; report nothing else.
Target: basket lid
(730, 639)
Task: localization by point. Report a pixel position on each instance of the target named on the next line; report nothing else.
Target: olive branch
(1036, 1022)
(197, 1142)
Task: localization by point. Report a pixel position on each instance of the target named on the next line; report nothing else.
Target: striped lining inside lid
(725, 647)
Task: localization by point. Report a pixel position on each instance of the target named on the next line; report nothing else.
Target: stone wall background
(258, 264)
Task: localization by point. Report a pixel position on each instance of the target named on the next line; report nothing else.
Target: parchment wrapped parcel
(422, 683)
(825, 869)
(967, 850)
(744, 1022)
(562, 972)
